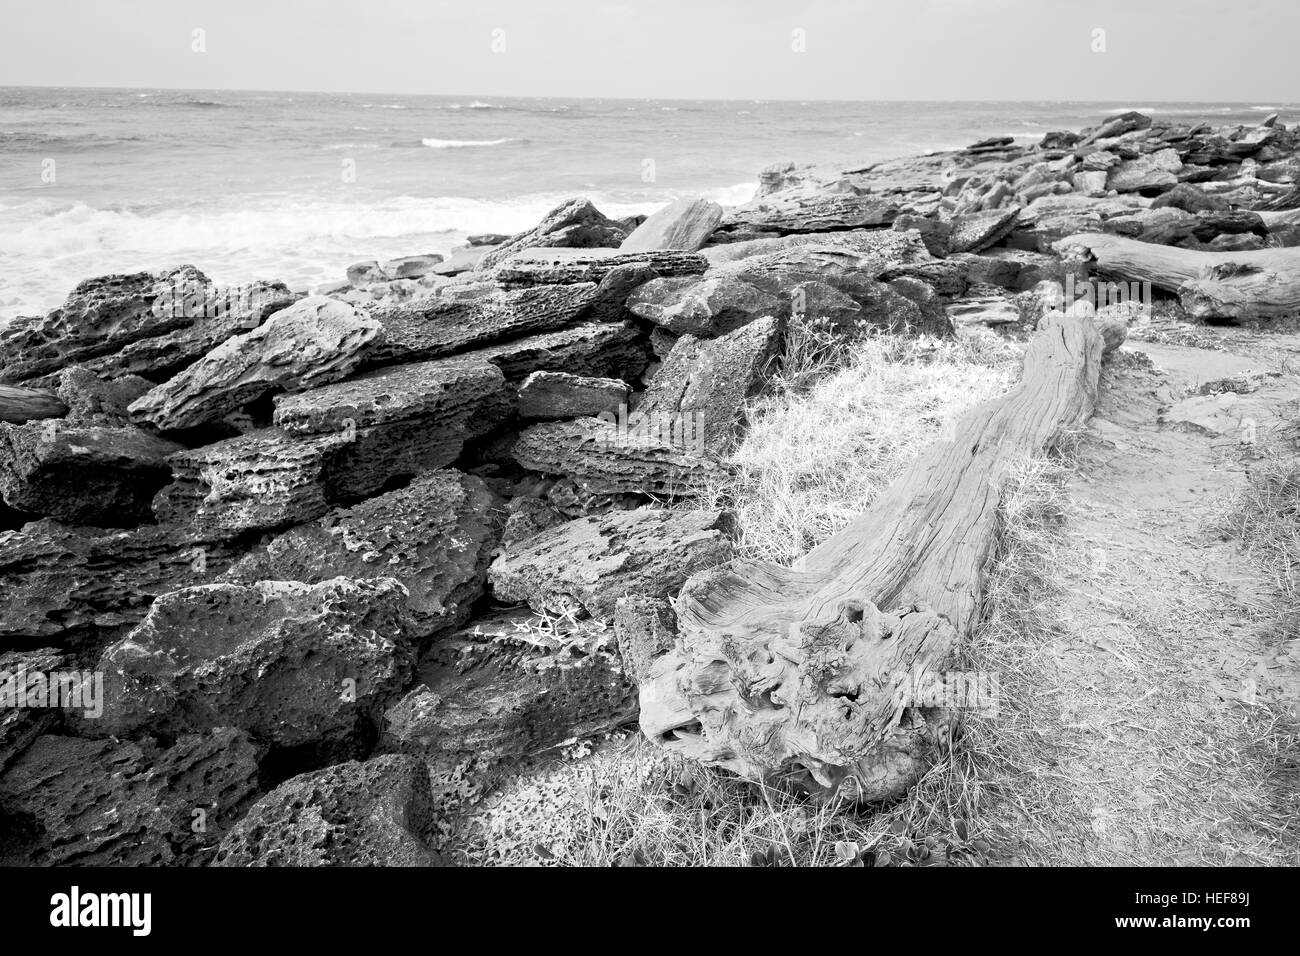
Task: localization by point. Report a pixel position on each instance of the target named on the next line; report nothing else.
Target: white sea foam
(460, 143)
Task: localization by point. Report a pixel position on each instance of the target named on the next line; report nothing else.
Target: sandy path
(1170, 692)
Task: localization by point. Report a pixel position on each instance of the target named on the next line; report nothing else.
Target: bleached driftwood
(1258, 283)
(804, 671)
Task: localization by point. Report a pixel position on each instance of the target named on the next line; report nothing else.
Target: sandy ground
(1169, 689)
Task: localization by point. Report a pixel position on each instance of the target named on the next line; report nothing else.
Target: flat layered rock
(294, 665)
(57, 581)
(311, 343)
(977, 231)
(438, 327)
(561, 395)
(566, 266)
(93, 400)
(702, 387)
(507, 687)
(589, 563)
(1158, 170)
(575, 223)
(707, 306)
(619, 454)
(82, 474)
(782, 213)
(684, 224)
(264, 479)
(601, 350)
(377, 813)
(435, 536)
(122, 803)
(398, 421)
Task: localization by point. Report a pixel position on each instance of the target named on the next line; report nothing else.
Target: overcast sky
(853, 49)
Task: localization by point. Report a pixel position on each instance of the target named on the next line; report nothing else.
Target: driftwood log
(1258, 283)
(18, 405)
(804, 672)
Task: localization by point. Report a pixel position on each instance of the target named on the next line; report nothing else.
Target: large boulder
(977, 231)
(1153, 171)
(435, 536)
(707, 306)
(82, 474)
(802, 211)
(437, 327)
(601, 350)
(377, 813)
(398, 421)
(314, 342)
(684, 224)
(68, 801)
(151, 324)
(295, 665)
(589, 563)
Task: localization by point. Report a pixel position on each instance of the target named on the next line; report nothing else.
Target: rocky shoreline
(337, 560)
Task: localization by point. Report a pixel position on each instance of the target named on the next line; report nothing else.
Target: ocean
(297, 186)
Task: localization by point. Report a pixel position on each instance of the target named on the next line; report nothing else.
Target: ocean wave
(459, 143)
(476, 105)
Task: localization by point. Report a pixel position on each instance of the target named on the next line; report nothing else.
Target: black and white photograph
(616, 434)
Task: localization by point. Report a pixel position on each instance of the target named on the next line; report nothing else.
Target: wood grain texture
(781, 670)
(1257, 283)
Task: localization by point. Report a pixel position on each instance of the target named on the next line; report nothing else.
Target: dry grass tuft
(820, 449)
(1265, 518)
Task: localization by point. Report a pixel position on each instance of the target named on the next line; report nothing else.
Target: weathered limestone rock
(509, 686)
(649, 551)
(1156, 170)
(377, 813)
(795, 211)
(57, 581)
(438, 327)
(685, 224)
(82, 474)
(294, 665)
(411, 267)
(264, 479)
(1163, 225)
(1191, 199)
(152, 324)
(311, 343)
(525, 516)
(834, 286)
(979, 230)
(99, 316)
(598, 350)
(933, 232)
(703, 385)
(708, 306)
(435, 537)
(573, 224)
(627, 453)
(561, 395)
(398, 421)
(68, 801)
(566, 266)
(93, 400)
(645, 628)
